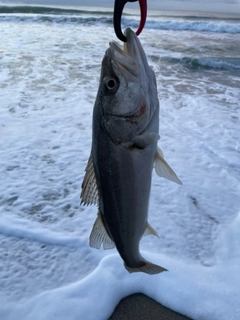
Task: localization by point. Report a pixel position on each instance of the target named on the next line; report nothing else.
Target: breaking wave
(54, 18)
(205, 62)
(198, 26)
(38, 14)
(41, 10)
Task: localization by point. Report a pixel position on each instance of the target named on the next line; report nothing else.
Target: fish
(124, 151)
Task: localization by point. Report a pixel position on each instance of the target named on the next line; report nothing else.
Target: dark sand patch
(140, 307)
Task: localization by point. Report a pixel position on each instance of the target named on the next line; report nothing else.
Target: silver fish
(125, 132)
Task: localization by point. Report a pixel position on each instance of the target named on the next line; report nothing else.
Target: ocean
(50, 62)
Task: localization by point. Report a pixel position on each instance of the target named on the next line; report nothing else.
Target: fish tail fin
(146, 267)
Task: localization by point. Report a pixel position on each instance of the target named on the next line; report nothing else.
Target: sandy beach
(140, 307)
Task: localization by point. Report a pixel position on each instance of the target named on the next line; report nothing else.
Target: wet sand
(140, 307)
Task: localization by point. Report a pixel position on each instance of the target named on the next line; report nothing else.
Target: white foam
(49, 83)
(198, 292)
(21, 228)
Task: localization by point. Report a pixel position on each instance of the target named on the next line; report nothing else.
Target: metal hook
(117, 15)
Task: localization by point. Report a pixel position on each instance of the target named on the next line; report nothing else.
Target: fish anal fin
(148, 267)
(99, 235)
(163, 169)
(89, 193)
(150, 230)
(145, 139)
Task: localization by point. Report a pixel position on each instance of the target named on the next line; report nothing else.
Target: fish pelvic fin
(89, 193)
(147, 267)
(99, 235)
(163, 169)
(150, 230)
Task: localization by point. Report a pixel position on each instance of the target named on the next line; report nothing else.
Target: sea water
(50, 62)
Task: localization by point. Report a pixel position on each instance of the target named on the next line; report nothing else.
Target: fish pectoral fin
(150, 230)
(145, 139)
(163, 169)
(99, 235)
(89, 193)
(127, 145)
(160, 152)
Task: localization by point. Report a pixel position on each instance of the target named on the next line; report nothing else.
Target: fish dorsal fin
(89, 193)
(99, 235)
(145, 139)
(150, 230)
(163, 169)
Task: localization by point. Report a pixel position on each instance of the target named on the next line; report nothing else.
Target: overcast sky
(201, 5)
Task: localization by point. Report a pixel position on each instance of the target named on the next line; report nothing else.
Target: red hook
(117, 15)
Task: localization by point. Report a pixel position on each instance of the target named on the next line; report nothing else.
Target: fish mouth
(130, 58)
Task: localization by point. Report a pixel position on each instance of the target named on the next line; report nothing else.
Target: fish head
(128, 90)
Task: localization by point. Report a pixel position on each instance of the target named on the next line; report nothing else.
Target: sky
(198, 5)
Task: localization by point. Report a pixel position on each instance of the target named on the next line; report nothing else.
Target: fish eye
(110, 83)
